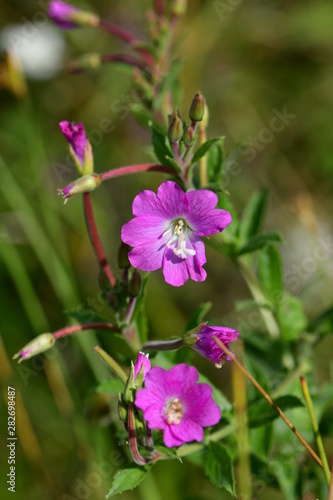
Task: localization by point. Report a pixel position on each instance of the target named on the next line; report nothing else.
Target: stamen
(182, 251)
(174, 412)
(178, 235)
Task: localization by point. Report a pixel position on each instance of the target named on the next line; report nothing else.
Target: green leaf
(270, 271)
(161, 145)
(174, 163)
(253, 215)
(218, 467)
(111, 386)
(215, 162)
(261, 412)
(168, 452)
(261, 440)
(127, 479)
(198, 315)
(291, 317)
(204, 148)
(259, 241)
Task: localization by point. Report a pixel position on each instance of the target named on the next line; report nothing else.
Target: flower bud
(84, 184)
(134, 286)
(179, 7)
(40, 344)
(66, 16)
(80, 148)
(123, 261)
(188, 136)
(175, 131)
(201, 339)
(197, 108)
(85, 63)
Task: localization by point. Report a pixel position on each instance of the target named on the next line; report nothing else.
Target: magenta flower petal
(143, 359)
(206, 345)
(166, 230)
(76, 137)
(60, 13)
(173, 401)
(173, 199)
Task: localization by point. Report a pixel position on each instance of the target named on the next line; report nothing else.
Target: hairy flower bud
(197, 108)
(188, 136)
(134, 287)
(123, 261)
(40, 344)
(66, 16)
(84, 184)
(175, 131)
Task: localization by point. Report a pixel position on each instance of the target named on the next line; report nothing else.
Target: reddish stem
(159, 7)
(133, 169)
(125, 59)
(118, 32)
(95, 240)
(69, 330)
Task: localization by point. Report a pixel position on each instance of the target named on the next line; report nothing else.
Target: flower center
(174, 411)
(178, 229)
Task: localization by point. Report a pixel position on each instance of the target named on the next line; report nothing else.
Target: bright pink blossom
(175, 403)
(167, 228)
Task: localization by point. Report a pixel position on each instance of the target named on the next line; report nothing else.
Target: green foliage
(253, 216)
(261, 413)
(258, 241)
(270, 270)
(218, 467)
(127, 479)
(291, 317)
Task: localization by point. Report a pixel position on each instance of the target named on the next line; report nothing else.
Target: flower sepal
(84, 184)
(191, 337)
(38, 345)
(136, 377)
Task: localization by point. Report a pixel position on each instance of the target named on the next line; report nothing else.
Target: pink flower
(167, 229)
(175, 403)
(61, 12)
(206, 345)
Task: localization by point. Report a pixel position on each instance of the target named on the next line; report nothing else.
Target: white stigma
(179, 236)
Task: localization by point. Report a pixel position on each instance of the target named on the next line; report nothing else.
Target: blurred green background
(252, 61)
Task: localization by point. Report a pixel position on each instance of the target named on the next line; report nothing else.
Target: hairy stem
(95, 240)
(134, 169)
(69, 330)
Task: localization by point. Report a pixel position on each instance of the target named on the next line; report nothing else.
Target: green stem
(315, 428)
(112, 364)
